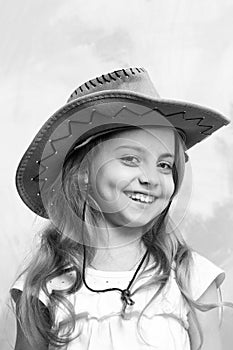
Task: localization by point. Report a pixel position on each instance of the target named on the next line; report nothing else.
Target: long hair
(62, 243)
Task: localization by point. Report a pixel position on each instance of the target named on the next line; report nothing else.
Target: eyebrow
(139, 149)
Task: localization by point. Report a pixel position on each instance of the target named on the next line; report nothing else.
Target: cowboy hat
(112, 101)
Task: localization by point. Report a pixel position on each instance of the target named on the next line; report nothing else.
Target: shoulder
(62, 282)
(205, 279)
(203, 274)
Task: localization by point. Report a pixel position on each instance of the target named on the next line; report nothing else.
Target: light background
(48, 48)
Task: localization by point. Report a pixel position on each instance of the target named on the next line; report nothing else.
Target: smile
(140, 197)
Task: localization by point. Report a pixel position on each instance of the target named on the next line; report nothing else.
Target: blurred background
(48, 48)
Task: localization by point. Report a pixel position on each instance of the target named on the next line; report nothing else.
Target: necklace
(125, 293)
(137, 262)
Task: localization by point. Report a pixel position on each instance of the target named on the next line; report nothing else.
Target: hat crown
(134, 80)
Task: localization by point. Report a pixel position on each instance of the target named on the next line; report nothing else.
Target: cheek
(105, 183)
(112, 179)
(168, 186)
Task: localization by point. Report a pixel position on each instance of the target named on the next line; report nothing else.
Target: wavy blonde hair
(58, 250)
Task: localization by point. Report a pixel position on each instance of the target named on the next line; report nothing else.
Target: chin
(138, 221)
(142, 221)
(141, 224)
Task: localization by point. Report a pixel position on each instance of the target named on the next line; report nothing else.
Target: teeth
(141, 197)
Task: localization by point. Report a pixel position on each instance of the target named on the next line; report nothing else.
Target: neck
(117, 248)
(122, 258)
(116, 237)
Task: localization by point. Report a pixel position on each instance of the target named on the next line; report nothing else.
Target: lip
(140, 192)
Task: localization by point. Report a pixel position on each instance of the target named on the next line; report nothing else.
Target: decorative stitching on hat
(106, 78)
(38, 178)
(90, 121)
(123, 108)
(111, 77)
(88, 88)
(132, 71)
(125, 73)
(99, 81)
(203, 132)
(208, 127)
(91, 82)
(78, 103)
(117, 74)
(52, 142)
(31, 203)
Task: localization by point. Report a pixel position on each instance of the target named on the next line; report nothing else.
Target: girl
(112, 272)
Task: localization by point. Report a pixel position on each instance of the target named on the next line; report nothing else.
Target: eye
(166, 167)
(130, 160)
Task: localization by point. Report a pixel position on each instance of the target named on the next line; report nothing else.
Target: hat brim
(103, 111)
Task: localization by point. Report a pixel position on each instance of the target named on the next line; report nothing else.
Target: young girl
(112, 272)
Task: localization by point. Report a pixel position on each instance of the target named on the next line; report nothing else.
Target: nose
(149, 177)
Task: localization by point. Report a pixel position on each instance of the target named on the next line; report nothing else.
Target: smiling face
(131, 177)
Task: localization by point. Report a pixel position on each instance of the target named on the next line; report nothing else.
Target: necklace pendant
(127, 301)
(126, 297)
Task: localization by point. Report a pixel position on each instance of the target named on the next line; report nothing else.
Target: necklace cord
(125, 293)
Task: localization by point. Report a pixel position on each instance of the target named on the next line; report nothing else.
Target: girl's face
(131, 175)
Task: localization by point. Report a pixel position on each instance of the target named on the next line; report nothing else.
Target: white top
(98, 320)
